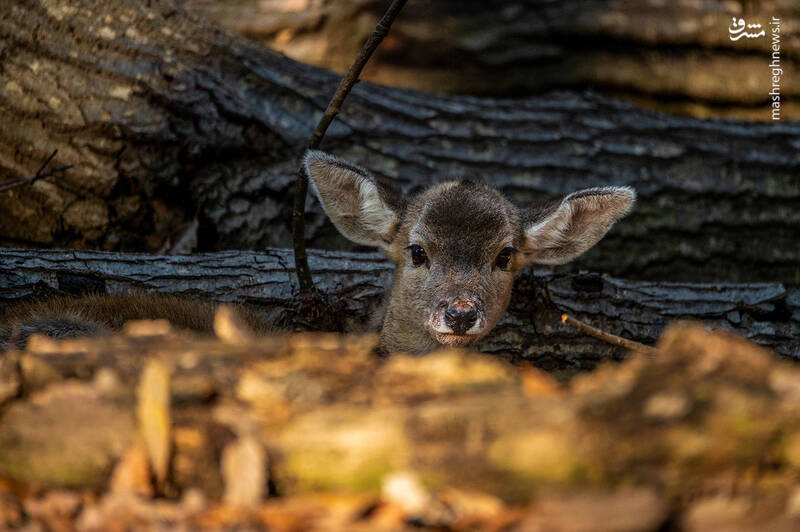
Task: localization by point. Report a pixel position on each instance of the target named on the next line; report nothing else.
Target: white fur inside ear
(374, 213)
(577, 224)
(350, 198)
(616, 202)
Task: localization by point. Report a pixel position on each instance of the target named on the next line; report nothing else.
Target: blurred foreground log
(669, 55)
(768, 313)
(703, 436)
(166, 119)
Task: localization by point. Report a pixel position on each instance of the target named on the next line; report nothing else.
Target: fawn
(457, 246)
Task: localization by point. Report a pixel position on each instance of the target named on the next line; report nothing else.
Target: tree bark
(767, 313)
(166, 118)
(671, 56)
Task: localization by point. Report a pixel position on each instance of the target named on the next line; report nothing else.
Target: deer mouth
(456, 340)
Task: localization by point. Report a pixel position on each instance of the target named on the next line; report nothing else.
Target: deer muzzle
(458, 322)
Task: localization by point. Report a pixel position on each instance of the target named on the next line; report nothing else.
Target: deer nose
(461, 317)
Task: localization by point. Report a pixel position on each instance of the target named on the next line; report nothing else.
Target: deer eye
(504, 258)
(418, 255)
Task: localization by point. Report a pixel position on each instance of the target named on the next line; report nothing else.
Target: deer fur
(465, 230)
(101, 314)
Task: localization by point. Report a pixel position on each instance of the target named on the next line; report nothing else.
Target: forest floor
(160, 429)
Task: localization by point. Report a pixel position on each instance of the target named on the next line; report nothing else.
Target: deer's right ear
(357, 205)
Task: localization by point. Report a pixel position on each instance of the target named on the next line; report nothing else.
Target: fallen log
(767, 313)
(166, 118)
(675, 56)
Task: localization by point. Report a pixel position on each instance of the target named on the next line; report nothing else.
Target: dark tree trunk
(670, 55)
(165, 118)
(767, 313)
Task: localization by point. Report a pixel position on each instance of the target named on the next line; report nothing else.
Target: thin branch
(608, 337)
(301, 189)
(37, 176)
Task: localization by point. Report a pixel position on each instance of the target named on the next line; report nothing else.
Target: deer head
(457, 246)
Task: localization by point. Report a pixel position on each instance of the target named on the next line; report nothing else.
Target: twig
(35, 177)
(608, 337)
(301, 189)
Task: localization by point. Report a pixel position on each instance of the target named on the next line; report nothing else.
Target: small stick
(301, 188)
(608, 337)
(37, 176)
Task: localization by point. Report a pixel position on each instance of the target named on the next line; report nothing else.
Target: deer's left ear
(562, 231)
